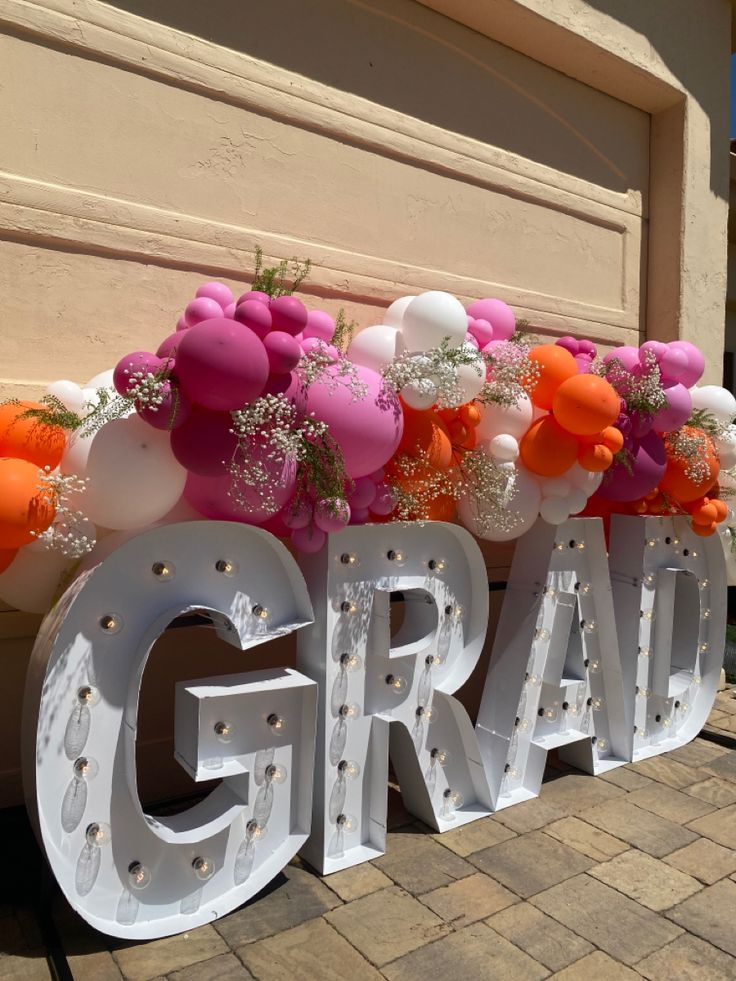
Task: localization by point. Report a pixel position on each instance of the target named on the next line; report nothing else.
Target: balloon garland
(256, 409)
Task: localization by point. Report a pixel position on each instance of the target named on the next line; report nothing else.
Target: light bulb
(522, 724)
(111, 623)
(541, 633)
(347, 607)
(451, 800)
(226, 567)
(440, 756)
(602, 745)
(85, 768)
(644, 692)
(163, 571)
(224, 731)
(395, 556)
(706, 614)
(534, 679)
(559, 546)
(704, 583)
(666, 723)
(97, 833)
(432, 660)
(396, 683)
(351, 662)
(582, 587)
(650, 579)
(675, 541)
(652, 542)
(703, 648)
(347, 558)
(596, 703)
(697, 680)
(436, 565)
(349, 769)
(254, 830)
(426, 714)
(594, 666)
(511, 772)
(260, 611)
(588, 626)
(276, 722)
(275, 773)
(645, 652)
(646, 614)
(580, 546)
(138, 875)
(87, 695)
(549, 591)
(349, 710)
(684, 708)
(204, 868)
(694, 553)
(572, 710)
(458, 611)
(550, 714)
(347, 823)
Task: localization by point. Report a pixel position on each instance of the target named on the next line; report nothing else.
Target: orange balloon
(722, 509)
(595, 457)
(677, 482)
(6, 557)
(586, 404)
(705, 530)
(556, 365)
(426, 436)
(470, 414)
(23, 507)
(28, 439)
(546, 449)
(706, 514)
(442, 508)
(458, 432)
(613, 438)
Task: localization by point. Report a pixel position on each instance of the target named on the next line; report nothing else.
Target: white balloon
(726, 447)
(69, 393)
(395, 313)
(716, 400)
(133, 477)
(576, 500)
(471, 377)
(101, 380)
(31, 581)
(375, 347)
(511, 419)
(555, 486)
(419, 395)
(504, 448)
(554, 510)
(521, 511)
(432, 317)
(584, 479)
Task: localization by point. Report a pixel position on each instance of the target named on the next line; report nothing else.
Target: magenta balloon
(169, 345)
(310, 344)
(656, 347)
(385, 500)
(289, 314)
(482, 331)
(277, 384)
(275, 525)
(137, 361)
(367, 428)
(181, 324)
(255, 316)
(695, 363)
(571, 344)
(253, 295)
(320, 324)
(218, 292)
(331, 516)
(673, 363)
(627, 355)
(203, 443)
(221, 364)
(173, 411)
(498, 314)
(359, 516)
(677, 411)
(297, 513)
(309, 539)
(587, 347)
(649, 462)
(214, 496)
(583, 363)
(283, 352)
(364, 493)
(229, 310)
(202, 308)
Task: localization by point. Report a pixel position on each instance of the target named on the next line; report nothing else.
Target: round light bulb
(452, 798)
(582, 587)
(87, 695)
(550, 714)
(432, 660)
(111, 623)
(522, 725)
(541, 633)
(260, 611)
(85, 768)
(580, 546)
(163, 571)
(645, 652)
(440, 756)
(704, 583)
(426, 713)
(395, 556)
(349, 769)
(276, 722)
(650, 579)
(697, 680)
(351, 662)
(275, 773)
(347, 558)
(347, 607)
(594, 666)
(588, 626)
(602, 745)
(703, 648)
(396, 683)
(254, 830)
(204, 868)
(436, 565)
(347, 823)
(549, 591)
(647, 614)
(596, 703)
(511, 772)
(226, 567)
(706, 614)
(97, 833)
(652, 542)
(350, 710)
(138, 875)
(534, 679)
(224, 731)
(559, 546)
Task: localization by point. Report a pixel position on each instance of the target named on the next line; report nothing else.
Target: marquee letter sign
(128, 873)
(606, 666)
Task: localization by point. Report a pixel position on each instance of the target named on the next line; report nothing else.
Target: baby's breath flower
(512, 373)
(70, 533)
(488, 486)
(435, 371)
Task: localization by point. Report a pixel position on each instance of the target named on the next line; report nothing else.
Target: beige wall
(569, 157)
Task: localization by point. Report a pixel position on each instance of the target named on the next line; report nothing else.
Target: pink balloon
(275, 525)
(181, 324)
(253, 295)
(255, 316)
(583, 363)
(173, 411)
(673, 363)
(289, 314)
(218, 292)
(498, 314)
(695, 363)
(229, 310)
(277, 384)
(310, 344)
(204, 443)
(471, 339)
(203, 308)
(283, 352)
(677, 411)
(359, 516)
(221, 364)
(587, 347)
(482, 331)
(657, 348)
(297, 513)
(627, 355)
(320, 324)
(385, 500)
(363, 494)
(648, 464)
(309, 539)
(168, 347)
(220, 497)
(331, 516)
(138, 361)
(377, 475)
(571, 344)
(367, 428)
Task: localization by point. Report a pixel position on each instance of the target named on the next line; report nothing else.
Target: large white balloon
(69, 393)
(726, 447)
(554, 510)
(102, 380)
(584, 479)
(420, 395)
(32, 580)
(375, 347)
(471, 377)
(576, 500)
(716, 400)
(512, 521)
(432, 317)
(511, 419)
(133, 477)
(395, 313)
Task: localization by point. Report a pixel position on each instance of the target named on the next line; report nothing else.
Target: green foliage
(344, 331)
(274, 280)
(53, 412)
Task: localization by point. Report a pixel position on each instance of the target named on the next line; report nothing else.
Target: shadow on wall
(401, 55)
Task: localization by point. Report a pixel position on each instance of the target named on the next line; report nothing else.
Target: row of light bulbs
(396, 556)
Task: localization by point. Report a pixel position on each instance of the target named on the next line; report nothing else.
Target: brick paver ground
(624, 876)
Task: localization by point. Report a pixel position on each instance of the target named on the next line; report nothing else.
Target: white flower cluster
(434, 374)
(489, 487)
(147, 390)
(327, 365)
(70, 533)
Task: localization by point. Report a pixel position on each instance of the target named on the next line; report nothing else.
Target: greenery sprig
(274, 280)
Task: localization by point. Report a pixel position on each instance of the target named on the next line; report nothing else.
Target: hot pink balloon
(223, 499)
(254, 295)
(203, 308)
(173, 411)
(571, 344)
(627, 355)
(385, 500)
(673, 364)
(297, 513)
(204, 443)
(367, 428)
(321, 325)
(587, 347)
(181, 324)
(308, 540)
(648, 464)
(310, 344)
(168, 347)
(289, 314)
(363, 494)
(359, 516)
(331, 516)
(498, 314)
(133, 364)
(221, 364)
(283, 352)
(657, 348)
(218, 292)
(583, 363)
(482, 331)
(695, 363)
(255, 316)
(229, 310)
(677, 411)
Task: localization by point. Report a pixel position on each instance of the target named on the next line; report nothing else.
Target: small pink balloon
(571, 344)
(331, 515)
(677, 411)
(673, 364)
(297, 513)
(587, 347)
(377, 475)
(657, 348)
(289, 314)
(275, 525)
(320, 324)
(203, 308)
(385, 500)
(498, 314)
(221, 364)
(138, 362)
(695, 363)
(168, 346)
(253, 295)
(627, 355)
(482, 330)
(255, 316)
(583, 363)
(278, 384)
(309, 539)
(310, 344)
(363, 494)
(181, 324)
(218, 292)
(471, 321)
(283, 352)
(204, 443)
(173, 411)
(470, 339)
(229, 310)
(359, 516)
